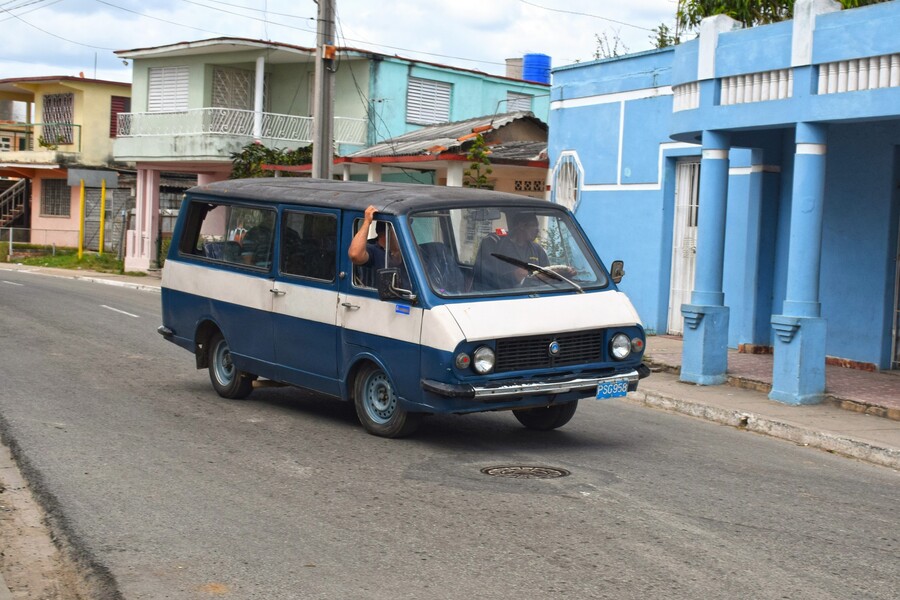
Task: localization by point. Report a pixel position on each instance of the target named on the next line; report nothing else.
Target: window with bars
(57, 115)
(168, 89)
(55, 198)
(516, 102)
(427, 101)
(117, 104)
(235, 88)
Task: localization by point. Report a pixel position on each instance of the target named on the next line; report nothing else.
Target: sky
(70, 37)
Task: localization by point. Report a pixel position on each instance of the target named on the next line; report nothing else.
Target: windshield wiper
(531, 267)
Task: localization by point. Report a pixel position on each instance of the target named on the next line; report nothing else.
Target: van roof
(388, 198)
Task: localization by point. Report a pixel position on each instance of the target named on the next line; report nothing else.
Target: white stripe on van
(218, 284)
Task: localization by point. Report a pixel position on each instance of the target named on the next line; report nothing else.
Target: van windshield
(474, 252)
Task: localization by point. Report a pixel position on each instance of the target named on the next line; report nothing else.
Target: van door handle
(278, 292)
(349, 306)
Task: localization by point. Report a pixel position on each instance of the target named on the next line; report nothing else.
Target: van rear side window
(308, 244)
(228, 233)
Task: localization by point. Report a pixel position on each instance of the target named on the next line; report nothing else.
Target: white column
(455, 174)
(345, 171)
(258, 97)
(374, 172)
(140, 252)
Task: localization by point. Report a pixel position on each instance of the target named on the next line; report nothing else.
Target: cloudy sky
(68, 37)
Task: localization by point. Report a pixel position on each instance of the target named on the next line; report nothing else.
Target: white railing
(757, 87)
(234, 122)
(686, 96)
(860, 74)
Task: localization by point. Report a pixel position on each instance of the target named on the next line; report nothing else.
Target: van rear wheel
(228, 381)
(547, 418)
(378, 407)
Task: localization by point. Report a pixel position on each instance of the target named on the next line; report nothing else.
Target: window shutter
(517, 102)
(168, 90)
(117, 104)
(427, 101)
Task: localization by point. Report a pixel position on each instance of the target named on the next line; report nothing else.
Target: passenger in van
(491, 273)
(371, 255)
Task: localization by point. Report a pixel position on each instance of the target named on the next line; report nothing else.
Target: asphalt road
(175, 493)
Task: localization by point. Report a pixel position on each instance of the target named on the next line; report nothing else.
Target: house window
(234, 88)
(168, 89)
(57, 115)
(516, 102)
(117, 104)
(427, 101)
(55, 198)
(565, 187)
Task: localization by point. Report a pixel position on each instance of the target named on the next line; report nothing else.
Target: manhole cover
(525, 472)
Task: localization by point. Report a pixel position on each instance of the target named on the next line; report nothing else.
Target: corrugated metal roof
(446, 137)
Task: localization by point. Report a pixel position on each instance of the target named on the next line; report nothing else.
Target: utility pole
(323, 92)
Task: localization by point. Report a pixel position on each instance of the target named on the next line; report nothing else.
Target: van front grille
(518, 354)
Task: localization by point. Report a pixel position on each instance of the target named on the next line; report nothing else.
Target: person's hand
(369, 216)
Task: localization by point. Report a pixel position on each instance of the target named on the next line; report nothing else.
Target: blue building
(749, 179)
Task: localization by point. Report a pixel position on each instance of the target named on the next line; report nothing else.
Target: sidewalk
(860, 417)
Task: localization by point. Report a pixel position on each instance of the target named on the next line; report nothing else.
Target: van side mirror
(617, 271)
(388, 282)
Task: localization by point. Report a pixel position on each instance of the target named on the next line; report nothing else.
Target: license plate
(614, 388)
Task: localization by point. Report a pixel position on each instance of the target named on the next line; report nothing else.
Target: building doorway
(684, 241)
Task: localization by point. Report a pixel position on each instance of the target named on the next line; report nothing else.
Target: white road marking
(13, 283)
(119, 311)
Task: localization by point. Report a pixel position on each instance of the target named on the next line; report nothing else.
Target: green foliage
(748, 12)
(476, 176)
(663, 37)
(249, 161)
(49, 144)
(67, 258)
(163, 250)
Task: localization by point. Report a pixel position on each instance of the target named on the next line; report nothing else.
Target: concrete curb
(798, 434)
(128, 284)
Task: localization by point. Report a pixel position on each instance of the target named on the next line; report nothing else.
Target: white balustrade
(686, 97)
(234, 122)
(859, 74)
(757, 87)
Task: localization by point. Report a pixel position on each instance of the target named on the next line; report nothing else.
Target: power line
(583, 14)
(140, 14)
(53, 34)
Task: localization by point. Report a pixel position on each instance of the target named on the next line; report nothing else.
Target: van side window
(228, 233)
(384, 252)
(308, 244)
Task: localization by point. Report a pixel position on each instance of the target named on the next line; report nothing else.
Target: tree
(249, 161)
(747, 12)
(480, 166)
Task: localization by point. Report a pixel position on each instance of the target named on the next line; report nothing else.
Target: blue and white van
(258, 284)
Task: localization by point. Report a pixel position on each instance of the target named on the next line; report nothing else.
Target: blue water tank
(536, 67)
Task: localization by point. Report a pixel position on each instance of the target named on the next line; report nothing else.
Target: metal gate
(117, 201)
(684, 241)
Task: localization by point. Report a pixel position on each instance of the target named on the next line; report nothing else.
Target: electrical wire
(583, 14)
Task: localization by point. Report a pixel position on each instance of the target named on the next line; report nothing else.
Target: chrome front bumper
(514, 390)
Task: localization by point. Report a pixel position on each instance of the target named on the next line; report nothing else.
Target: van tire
(378, 407)
(547, 418)
(228, 381)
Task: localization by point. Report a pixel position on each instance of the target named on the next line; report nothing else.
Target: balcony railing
(28, 137)
(235, 122)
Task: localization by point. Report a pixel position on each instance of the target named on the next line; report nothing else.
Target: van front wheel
(378, 407)
(228, 380)
(547, 418)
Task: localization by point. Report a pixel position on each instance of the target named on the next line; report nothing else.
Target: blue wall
(619, 112)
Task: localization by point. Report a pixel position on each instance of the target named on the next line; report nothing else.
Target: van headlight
(483, 360)
(620, 346)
